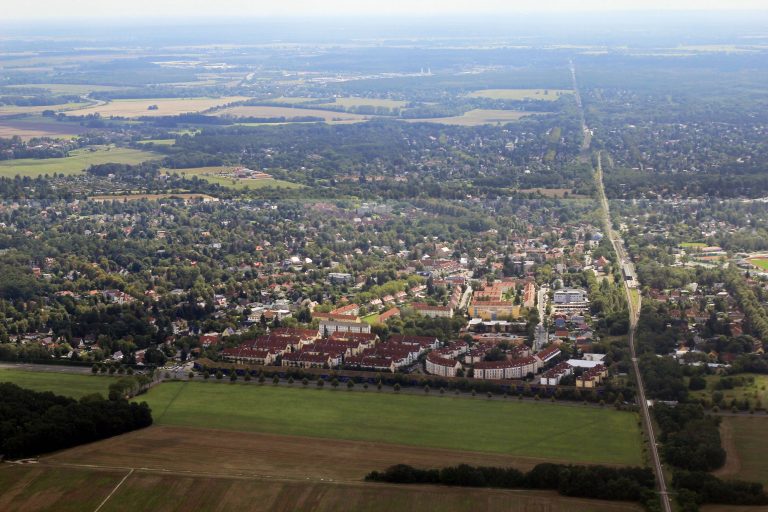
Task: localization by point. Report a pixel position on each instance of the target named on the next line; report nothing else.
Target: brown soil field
(169, 469)
(28, 488)
(183, 449)
(28, 130)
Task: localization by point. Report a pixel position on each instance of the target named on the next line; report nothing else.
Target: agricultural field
(210, 174)
(477, 117)
(165, 106)
(744, 441)
(158, 142)
(348, 102)
(520, 94)
(290, 113)
(67, 384)
(38, 126)
(44, 487)
(78, 161)
(539, 430)
(14, 110)
(757, 390)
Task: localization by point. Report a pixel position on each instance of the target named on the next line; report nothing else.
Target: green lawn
(751, 448)
(371, 319)
(540, 430)
(761, 263)
(66, 384)
(756, 391)
(692, 245)
(79, 160)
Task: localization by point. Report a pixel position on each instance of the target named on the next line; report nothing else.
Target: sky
(116, 9)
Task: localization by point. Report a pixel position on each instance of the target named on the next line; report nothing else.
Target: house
(438, 365)
(331, 326)
(390, 313)
(433, 311)
(570, 296)
(554, 375)
(349, 309)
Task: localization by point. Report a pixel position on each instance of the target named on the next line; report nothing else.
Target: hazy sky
(27, 9)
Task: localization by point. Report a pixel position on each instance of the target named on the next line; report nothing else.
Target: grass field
(70, 88)
(348, 102)
(65, 489)
(744, 440)
(371, 319)
(159, 142)
(692, 245)
(756, 391)
(540, 430)
(66, 384)
(290, 113)
(520, 94)
(166, 106)
(79, 160)
(761, 263)
(477, 117)
(210, 175)
(149, 197)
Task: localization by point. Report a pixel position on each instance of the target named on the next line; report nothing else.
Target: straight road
(633, 304)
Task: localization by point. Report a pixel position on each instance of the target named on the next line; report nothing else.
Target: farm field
(477, 117)
(79, 160)
(166, 106)
(290, 113)
(539, 430)
(348, 102)
(744, 441)
(159, 142)
(520, 94)
(13, 110)
(67, 384)
(209, 174)
(37, 126)
(73, 489)
(758, 390)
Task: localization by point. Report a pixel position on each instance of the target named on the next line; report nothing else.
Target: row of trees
(623, 484)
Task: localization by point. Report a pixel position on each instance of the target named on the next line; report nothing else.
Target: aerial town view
(384, 256)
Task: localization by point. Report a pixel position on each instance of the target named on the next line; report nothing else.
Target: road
(541, 336)
(633, 300)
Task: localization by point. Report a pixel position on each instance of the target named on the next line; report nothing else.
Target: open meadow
(755, 389)
(539, 430)
(744, 441)
(520, 94)
(14, 110)
(268, 112)
(211, 175)
(67, 384)
(78, 161)
(477, 117)
(165, 106)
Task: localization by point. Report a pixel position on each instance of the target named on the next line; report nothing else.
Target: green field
(744, 440)
(67, 384)
(692, 245)
(477, 117)
(761, 263)
(366, 102)
(371, 319)
(159, 142)
(541, 430)
(78, 161)
(754, 392)
(520, 94)
(209, 174)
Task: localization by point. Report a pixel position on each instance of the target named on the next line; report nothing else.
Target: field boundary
(130, 472)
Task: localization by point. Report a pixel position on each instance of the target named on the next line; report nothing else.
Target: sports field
(79, 161)
(541, 430)
(520, 94)
(165, 106)
(61, 383)
(477, 117)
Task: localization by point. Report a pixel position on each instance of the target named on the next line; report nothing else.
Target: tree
(191, 375)
(233, 376)
(219, 375)
(335, 382)
(397, 388)
(350, 384)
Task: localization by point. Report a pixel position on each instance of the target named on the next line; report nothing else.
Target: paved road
(634, 305)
